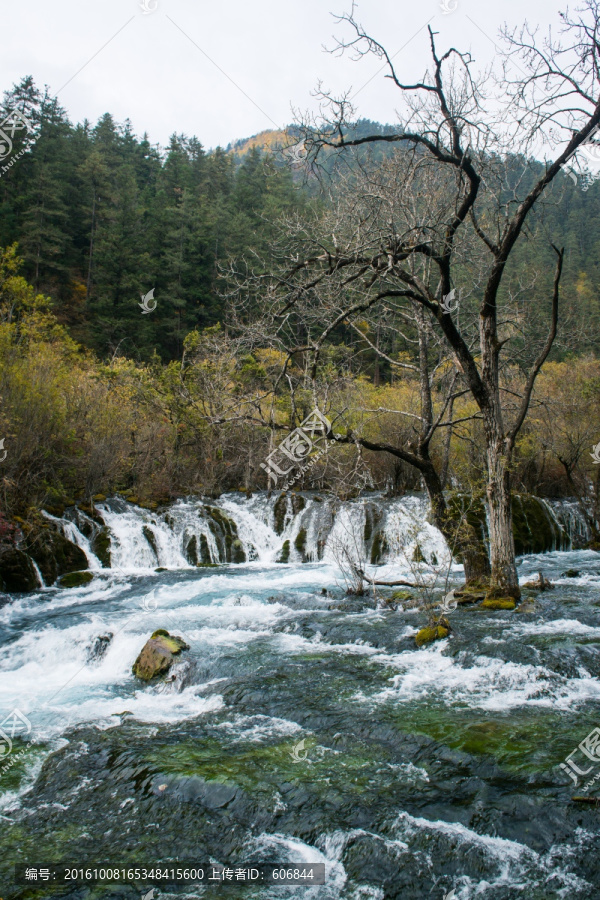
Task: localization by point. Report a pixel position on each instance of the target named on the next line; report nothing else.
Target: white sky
(152, 73)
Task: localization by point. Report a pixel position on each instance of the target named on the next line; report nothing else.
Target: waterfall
(285, 528)
(570, 518)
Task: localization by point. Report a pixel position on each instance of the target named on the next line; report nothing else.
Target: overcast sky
(153, 68)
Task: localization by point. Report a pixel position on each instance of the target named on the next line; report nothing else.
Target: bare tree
(482, 149)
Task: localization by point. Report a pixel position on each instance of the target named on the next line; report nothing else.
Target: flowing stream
(303, 724)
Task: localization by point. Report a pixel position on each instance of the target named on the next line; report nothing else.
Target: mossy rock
(17, 572)
(298, 503)
(151, 538)
(571, 573)
(401, 596)
(418, 555)
(430, 633)
(75, 579)
(101, 547)
(528, 605)
(498, 603)
(238, 554)
(279, 513)
(53, 553)
(191, 551)
(161, 569)
(284, 555)
(99, 498)
(205, 552)
(221, 517)
(157, 655)
(300, 543)
(133, 499)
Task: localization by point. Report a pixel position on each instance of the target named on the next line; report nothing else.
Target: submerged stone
(75, 579)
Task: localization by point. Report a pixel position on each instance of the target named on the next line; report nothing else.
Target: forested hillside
(102, 216)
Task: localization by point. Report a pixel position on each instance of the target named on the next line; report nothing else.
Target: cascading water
(302, 724)
(571, 519)
(280, 528)
(289, 528)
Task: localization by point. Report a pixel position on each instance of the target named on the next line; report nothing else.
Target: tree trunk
(500, 525)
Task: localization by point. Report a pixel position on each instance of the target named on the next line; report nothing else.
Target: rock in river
(158, 654)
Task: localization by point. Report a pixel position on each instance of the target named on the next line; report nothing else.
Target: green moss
(429, 634)
(238, 554)
(191, 551)
(401, 595)
(160, 632)
(101, 547)
(75, 579)
(279, 513)
(284, 556)
(300, 542)
(498, 603)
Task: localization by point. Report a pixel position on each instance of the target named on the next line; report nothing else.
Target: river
(303, 725)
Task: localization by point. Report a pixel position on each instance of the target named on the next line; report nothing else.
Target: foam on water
(480, 682)
(517, 865)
